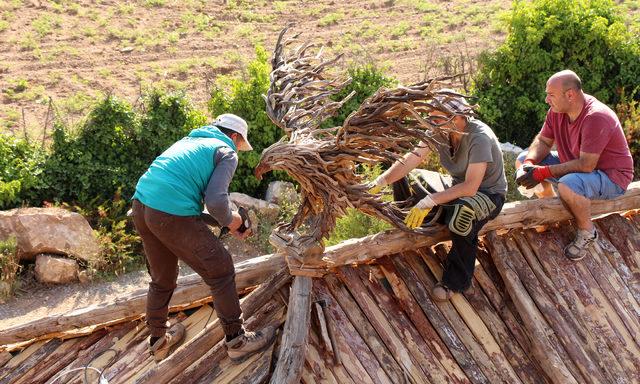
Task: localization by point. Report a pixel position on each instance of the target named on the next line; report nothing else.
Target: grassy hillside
(71, 51)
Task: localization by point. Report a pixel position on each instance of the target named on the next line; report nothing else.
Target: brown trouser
(167, 238)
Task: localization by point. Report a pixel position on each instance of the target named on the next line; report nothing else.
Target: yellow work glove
(417, 214)
(376, 186)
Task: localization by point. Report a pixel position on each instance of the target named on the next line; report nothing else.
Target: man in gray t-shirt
(471, 154)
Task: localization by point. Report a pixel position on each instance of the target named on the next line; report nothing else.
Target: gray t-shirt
(479, 145)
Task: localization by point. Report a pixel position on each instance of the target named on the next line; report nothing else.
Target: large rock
(49, 230)
(265, 209)
(55, 270)
(279, 191)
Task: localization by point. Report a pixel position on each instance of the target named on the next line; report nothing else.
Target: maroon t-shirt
(596, 130)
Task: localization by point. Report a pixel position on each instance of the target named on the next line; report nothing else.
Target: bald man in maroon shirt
(592, 161)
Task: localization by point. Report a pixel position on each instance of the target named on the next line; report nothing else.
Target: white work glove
(376, 185)
(419, 211)
(426, 203)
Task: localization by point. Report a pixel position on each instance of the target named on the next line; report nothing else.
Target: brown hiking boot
(161, 348)
(578, 248)
(245, 345)
(441, 293)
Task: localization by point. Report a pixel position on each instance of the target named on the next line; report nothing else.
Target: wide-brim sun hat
(236, 124)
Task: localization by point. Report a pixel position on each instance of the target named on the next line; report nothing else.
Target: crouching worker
(473, 158)
(166, 209)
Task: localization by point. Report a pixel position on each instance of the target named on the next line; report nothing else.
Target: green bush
(356, 224)
(365, 81)
(120, 244)
(243, 97)
(20, 169)
(629, 112)
(114, 147)
(9, 267)
(546, 36)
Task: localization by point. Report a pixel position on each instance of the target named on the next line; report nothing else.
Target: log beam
(191, 289)
(296, 333)
(519, 214)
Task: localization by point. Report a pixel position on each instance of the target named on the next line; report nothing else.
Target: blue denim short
(595, 185)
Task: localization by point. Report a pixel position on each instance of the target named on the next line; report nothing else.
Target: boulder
(263, 208)
(512, 148)
(49, 230)
(56, 270)
(279, 191)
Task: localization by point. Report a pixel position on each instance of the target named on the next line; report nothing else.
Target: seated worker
(474, 160)
(592, 161)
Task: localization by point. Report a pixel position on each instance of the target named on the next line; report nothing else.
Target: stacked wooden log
(532, 316)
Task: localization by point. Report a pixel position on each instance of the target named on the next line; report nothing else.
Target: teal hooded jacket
(177, 179)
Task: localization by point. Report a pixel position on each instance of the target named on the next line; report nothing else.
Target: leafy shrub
(113, 147)
(121, 246)
(629, 113)
(9, 267)
(546, 36)
(20, 168)
(355, 223)
(243, 97)
(365, 81)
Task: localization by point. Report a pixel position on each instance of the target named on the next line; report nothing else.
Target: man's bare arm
(585, 163)
(539, 148)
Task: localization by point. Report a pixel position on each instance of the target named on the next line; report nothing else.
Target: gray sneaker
(577, 249)
(245, 345)
(161, 348)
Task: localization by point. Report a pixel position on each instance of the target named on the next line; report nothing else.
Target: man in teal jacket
(169, 199)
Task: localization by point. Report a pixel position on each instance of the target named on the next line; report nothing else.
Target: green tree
(546, 36)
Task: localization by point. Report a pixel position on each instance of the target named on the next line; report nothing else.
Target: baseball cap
(236, 124)
(452, 101)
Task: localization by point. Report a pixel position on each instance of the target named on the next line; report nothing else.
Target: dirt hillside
(74, 51)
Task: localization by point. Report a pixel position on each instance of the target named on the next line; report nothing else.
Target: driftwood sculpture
(327, 162)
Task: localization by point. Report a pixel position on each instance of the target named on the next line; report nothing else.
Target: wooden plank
(17, 359)
(58, 359)
(256, 368)
(406, 331)
(439, 322)
(554, 309)
(296, 332)
(422, 324)
(615, 354)
(366, 331)
(503, 306)
(487, 327)
(132, 306)
(539, 331)
(380, 323)
(12, 374)
(322, 327)
(94, 352)
(568, 306)
(4, 358)
(319, 367)
(190, 352)
(622, 252)
(141, 360)
(354, 353)
(449, 312)
(210, 366)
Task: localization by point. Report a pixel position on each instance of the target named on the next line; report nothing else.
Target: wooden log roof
(532, 316)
